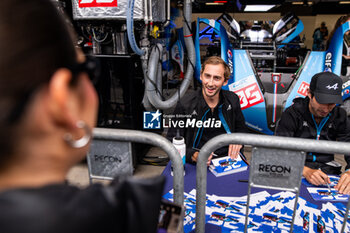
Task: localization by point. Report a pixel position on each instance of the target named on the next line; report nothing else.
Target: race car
(265, 93)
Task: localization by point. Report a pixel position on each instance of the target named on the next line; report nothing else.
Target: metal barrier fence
(151, 139)
(276, 142)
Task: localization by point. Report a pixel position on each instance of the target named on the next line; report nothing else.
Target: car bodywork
(264, 95)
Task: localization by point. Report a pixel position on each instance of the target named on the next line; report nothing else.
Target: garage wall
(257, 16)
(309, 27)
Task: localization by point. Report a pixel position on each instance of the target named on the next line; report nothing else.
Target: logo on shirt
(151, 120)
(305, 124)
(229, 107)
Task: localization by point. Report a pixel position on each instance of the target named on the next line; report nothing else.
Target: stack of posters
(267, 213)
(225, 166)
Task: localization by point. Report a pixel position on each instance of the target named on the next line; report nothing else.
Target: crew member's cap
(327, 88)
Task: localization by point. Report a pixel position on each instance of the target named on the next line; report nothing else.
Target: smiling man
(318, 117)
(218, 110)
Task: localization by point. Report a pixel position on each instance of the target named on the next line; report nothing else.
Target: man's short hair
(215, 60)
(327, 88)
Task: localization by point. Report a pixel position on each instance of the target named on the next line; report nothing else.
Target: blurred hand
(346, 57)
(233, 150)
(209, 159)
(315, 176)
(343, 185)
(195, 156)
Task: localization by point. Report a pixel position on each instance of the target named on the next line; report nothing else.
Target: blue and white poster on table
(267, 213)
(225, 165)
(325, 194)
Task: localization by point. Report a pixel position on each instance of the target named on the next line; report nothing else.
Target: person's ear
(309, 93)
(226, 81)
(63, 101)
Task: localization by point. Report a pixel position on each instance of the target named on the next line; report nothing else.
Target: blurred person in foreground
(48, 109)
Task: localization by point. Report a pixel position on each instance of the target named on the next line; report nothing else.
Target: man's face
(319, 110)
(213, 79)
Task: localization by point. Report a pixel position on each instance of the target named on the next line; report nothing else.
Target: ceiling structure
(300, 7)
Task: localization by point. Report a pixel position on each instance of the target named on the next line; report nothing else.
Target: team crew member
(318, 117)
(210, 103)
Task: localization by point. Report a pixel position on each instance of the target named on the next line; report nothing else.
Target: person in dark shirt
(320, 37)
(212, 104)
(48, 109)
(317, 117)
